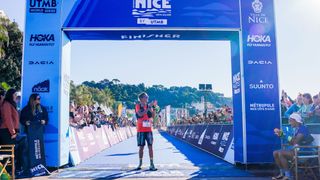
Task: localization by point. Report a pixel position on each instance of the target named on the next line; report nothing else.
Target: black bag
(307, 140)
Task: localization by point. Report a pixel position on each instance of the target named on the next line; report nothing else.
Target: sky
(298, 37)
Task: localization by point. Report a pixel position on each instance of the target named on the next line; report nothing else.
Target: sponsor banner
(42, 6)
(236, 83)
(119, 135)
(36, 145)
(89, 141)
(82, 144)
(39, 170)
(74, 151)
(216, 139)
(155, 13)
(152, 35)
(237, 99)
(64, 100)
(104, 137)
(261, 80)
(90, 138)
(41, 71)
(110, 135)
(97, 132)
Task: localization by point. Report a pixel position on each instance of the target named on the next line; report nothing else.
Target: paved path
(173, 158)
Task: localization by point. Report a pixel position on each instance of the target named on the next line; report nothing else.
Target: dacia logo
(259, 62)
(158, 4)
(259, 39)
(41, 37)
(40, 62)
(43, 3)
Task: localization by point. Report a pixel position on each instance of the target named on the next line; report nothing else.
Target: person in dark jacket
(33, 112)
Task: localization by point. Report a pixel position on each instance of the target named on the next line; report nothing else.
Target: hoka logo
(41, 37)
(259, 39)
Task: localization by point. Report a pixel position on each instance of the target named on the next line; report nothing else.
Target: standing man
(145, 114)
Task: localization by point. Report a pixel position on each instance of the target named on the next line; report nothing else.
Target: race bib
(146, 124)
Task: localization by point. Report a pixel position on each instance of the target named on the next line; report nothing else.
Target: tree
(11, 53)
(175, 96)
(82, 95)
(4, 37)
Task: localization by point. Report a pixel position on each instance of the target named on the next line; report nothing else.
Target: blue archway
(249, 25)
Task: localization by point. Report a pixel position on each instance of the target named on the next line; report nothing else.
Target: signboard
(261, 79)
(155, 13)
(52, 24)
(216, 139)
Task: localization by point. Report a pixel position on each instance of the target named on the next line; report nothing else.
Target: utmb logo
(149, 4)
(43, 3)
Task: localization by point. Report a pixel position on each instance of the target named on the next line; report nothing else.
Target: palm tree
(115, 81)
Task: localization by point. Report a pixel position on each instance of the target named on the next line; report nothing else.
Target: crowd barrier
(215, 139)
(90, 140)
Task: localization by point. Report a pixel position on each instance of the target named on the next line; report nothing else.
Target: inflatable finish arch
(248, 25)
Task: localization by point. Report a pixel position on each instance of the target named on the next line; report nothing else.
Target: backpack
(307, 140)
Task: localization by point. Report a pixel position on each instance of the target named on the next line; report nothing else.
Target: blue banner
(154, 35)
(41, 72)
(216, 139)
(36, 145)
(155, 13)
(261, 80)
(51, 24)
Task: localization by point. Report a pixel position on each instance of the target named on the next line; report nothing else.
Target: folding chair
(7, 156)
(306, 161)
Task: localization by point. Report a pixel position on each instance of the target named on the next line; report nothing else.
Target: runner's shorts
(142, 137)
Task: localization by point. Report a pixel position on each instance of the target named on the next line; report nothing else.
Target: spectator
(301, 137)
(314, 113)
(305, 108)
(9, 130)
(34, 112)
(295, 107)
(10, 117)
(285, 99)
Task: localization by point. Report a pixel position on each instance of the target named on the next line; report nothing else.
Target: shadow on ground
(211, 166)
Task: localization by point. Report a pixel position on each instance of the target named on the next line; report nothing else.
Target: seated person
(300, 137)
